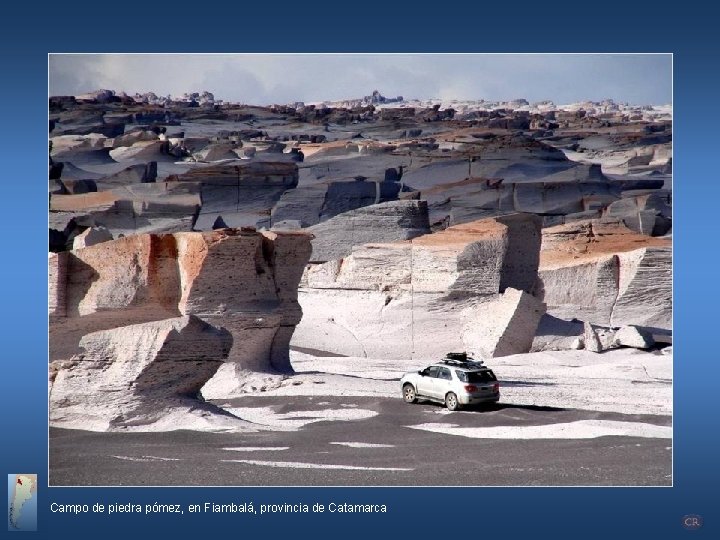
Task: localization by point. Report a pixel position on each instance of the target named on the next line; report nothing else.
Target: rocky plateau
(195, 243)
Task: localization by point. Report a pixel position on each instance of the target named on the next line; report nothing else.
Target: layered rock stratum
(606, 274)
(230, 294)
(417, 298)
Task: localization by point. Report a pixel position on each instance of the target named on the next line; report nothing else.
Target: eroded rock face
(312, 204)
(645, 289)
(243, 192)
(91, 236)
(385, 222)
(504, 326)
(57, 279)
(132, 209)
(423, 297)
(607, 275)
(138, 325)
(478, 258)
(243, 281)
(142, 377)
(649, 214)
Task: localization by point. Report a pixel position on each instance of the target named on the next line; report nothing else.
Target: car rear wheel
(451, 402)
(409, 394)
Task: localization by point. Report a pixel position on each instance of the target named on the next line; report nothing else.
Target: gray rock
(649, 213)
(91, 236)
(385, 222)
(597, 338)
(555, 334)
(634, 336)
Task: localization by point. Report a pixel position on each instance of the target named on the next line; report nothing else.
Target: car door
(442, 383)
(426, 381)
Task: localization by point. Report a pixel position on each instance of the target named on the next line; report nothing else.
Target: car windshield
(476, 376)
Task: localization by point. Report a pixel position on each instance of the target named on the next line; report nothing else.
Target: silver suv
(456, 380)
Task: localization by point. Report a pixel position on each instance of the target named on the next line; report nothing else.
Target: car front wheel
(409, 394)
(451, 402)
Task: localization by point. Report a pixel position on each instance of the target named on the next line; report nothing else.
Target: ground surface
(570, 418)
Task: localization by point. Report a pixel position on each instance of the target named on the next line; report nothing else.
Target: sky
(265, 79)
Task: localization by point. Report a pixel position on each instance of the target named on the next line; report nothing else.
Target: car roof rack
(461, 360)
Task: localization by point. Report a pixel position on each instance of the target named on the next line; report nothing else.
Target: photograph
(360, 270)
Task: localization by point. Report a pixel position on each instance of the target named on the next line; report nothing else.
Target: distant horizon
(406, 99)
(264, 79)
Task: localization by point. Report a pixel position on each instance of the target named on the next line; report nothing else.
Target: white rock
(504, 326)
(137, 377)
(645, 289)
(57, 277)
(632, 336)
(91, 236)
(244, 281)
(607, 275)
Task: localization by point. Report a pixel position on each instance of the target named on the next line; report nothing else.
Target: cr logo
(692, 522)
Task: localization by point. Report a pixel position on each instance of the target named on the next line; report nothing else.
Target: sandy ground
(626, 381)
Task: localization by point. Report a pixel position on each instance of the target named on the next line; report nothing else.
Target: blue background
(691, 33)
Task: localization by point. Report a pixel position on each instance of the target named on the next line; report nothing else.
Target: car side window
(461, 375)
(444, 373)
(432, 371)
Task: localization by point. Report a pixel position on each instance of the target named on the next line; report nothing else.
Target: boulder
(633, 336)
(91, 236)
(598, 339)
(216, 152)
(133, 137)
(649, 214)
(555, 334)
(142, 150)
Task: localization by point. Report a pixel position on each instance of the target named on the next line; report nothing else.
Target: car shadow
(502, 406)
(505, 382)
(494, 407)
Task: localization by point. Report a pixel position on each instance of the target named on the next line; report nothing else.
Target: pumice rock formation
(422, 297)
(242, 192)
(241, 285)
(606, 274)
(142, 376)
(429, 226)
(384, 222)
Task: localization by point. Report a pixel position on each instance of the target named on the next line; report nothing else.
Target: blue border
(29, 33)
